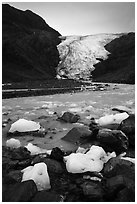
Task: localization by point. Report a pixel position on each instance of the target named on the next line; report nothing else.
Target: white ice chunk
(81, 150)
(13, 143)
(23, 125)
(79, 163)
(38, 173)
(96, 152)
(92, 161)
(129, 159)
(34, 149)
(113, 119)
(75, 110)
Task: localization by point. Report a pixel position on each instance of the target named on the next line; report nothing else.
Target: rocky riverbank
(70, 134)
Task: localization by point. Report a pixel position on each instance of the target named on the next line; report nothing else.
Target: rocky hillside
(120, 66)
(29, 49)
(105, 57)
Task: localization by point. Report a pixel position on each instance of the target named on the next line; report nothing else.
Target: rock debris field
(74, 147)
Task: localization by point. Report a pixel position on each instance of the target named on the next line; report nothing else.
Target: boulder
(20, 192)
(113, 140)
(53, 166)
(122, 109)
(117, 185)
(20, 153)
(92, 190)
(46, 196)
(78, 135)
(125, 195)
(113, 185)
(94, 127)
(38, 173)
(117, 166)
(57, 154)
(16, 175)
(128, 127)
(69, 117)
(15, 158)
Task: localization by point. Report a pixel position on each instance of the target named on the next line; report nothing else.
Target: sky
(84, 18)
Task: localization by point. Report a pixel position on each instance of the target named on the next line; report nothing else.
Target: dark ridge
(29, 49)
(120, 66)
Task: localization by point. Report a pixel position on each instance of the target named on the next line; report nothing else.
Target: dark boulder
(14, 176)
(53, 166)
(117, 166)
(69, 117)
(125, 195)
(57, 154)
(94, 127)
(20, 192)
(113, 140)
(117, 185)
(92, 190)
(15, 158)
(113, 185)
(20, 153)
(128, 127)
(78, 135)
(47, 196)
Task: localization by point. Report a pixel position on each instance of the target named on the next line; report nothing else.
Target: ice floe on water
(23, 125)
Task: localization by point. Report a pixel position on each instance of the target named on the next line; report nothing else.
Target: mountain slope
(120, 66)
(29, 49)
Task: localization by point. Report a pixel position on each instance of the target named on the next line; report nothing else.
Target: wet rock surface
(78, 135)
(69, 117)
(20, 192)
(128, 127)
(113, 140)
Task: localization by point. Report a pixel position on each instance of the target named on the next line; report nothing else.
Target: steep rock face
(78, 54)
(120, 66)
(29, 49)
